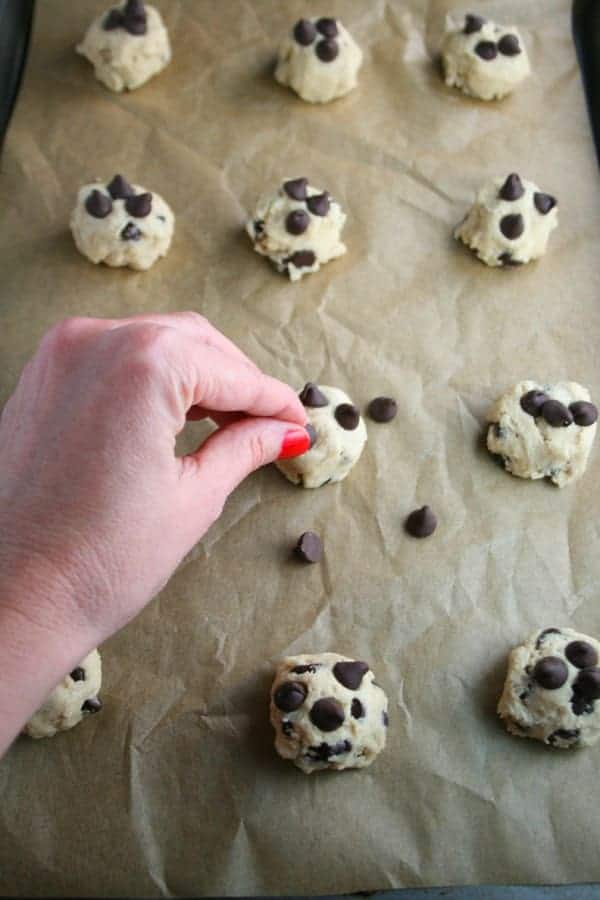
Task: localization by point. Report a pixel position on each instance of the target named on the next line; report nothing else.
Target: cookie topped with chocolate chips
(74, 698)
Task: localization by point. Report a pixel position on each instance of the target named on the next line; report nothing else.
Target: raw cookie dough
(551, 689)
(543, 431)
(121, 224)
(127, 45)
(74, 698)
(338, 440)
(483, 59)
(328, 712)
(298, 228)
(510, 222)
(319, 59)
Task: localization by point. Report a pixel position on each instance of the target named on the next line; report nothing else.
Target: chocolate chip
(312, 433)
(304, 32)
(550, 672)
(347, 416)
(556, 414)
(486, 50)
(581, 706)
(564, 734)
(544, 202)
(302, 259)
(319, 204)
(113, 20)
(131, 232)
(327, 714)
(290, 696)
(139, 206)
(287, 728)
(328, 27)
(421, 523)
(382, 409)
(325, 751)
(119, 188)
(507, 260)
(98, 204)
(584, 413)
(509, 45)
(542, 635)
(296, 188)
(587, 684)
(512, 226)
(473, 23)
(512, 188)
(297, 221)
(311, 396)
(350, 673)
(327, 50)
(499, 431)
(357, 709)
(581, 654)
(78, 674)
(532, 402)
(386, 719)
(134, 17)
(311, 668)
(259, 227)
(309, 547)
(93, 705)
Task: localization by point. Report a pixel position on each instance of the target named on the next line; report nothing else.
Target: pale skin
(96, 511)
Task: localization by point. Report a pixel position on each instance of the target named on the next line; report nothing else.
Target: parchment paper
(174, 789)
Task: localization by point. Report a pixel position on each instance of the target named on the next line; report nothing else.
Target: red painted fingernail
(296, 442)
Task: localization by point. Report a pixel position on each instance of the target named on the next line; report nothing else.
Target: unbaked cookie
(127, 45)
(510, 222)
(121, 224)
(339, 436)
(328, 712)
(483, 59)
(552, 688)
(74, 698)
(543, 431)
(319, 59)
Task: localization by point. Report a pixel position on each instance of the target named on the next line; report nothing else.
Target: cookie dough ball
(339, 436)
(127, 45)
(122, 224)
(543, 431)
(552, 688)
(298, 228)
(319, 59)
(483, 59)
(510, 222)
(328, 712)
(74, 698)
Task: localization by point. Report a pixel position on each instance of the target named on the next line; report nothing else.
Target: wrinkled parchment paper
(174, 789)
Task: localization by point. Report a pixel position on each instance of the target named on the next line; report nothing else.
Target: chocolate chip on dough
(78, 674)
(327, 50)
(328, 27)
(509, 45)
(357, 709)
(581, 654)
(486, 50)
(290, 696)
(297, 222)
(532, 402)
(93, 705)
(139, 206)
(296, 188)
(550, 672)
(544, 202)
(304, 32)
(473, 23)
(347, 416)
(512, 226)
(556, 414)
(119, 188)
(311, 396)
(512, 188)
(351, 673)
(131, 232)
(327, 714)
(319, 204)
(302, 259)
(98, 204)
(584, 413)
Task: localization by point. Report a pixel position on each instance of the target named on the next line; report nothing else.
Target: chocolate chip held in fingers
(309, 547)
(422, 522)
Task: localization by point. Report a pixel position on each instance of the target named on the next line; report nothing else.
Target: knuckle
(257, 451)
(63, 334)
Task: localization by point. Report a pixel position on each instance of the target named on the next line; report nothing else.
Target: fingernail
(296, 442)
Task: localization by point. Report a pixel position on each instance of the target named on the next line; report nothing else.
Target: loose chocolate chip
(290, 696)
(473, 23)
(350, 673)
(302, 259)
(309, 547)
(119, 188)
(550, 672)
(304, 32)
(512, 188)
(347, 416)
(327, 714)
(532, 402)
(297, 221)
(422, 522)
(309, 667)
(98, 204)
(357, 709)
(509, 45)
(113, 20)
(556, 414)
(327, 50)
(512, 226)
(542, 635)
(386, 719)
(296, 188)
(319, 204)
(584, 413)
(311, 396)
(507, 260)
(328, 27)
(131, 232)
(382, 409)
(93, 705)
(486, 50)
(287, 728)
(312, 433)
(581, 654)
(78, 674)
(587, 684)
(544, 202)
(139, 206)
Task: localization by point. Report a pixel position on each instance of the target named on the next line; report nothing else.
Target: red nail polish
(296, 442)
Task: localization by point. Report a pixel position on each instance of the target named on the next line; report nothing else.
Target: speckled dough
(565, 716)
(314, 79)
(530, 447)
(484, 78)
(354, 739)
(64, 708)
(297, 254)
(124, 61)
(336, 449)
(122, 239)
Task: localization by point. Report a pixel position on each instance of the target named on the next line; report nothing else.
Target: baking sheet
(175, 788)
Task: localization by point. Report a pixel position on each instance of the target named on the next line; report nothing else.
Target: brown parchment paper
(175, 789)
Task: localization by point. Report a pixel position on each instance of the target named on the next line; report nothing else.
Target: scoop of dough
(74, 698)
(319, 59)
(328, 712)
